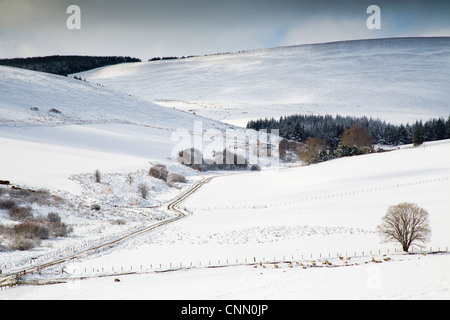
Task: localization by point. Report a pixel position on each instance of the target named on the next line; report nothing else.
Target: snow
(97, 129)
(406, 79)
(304, 214)
(315, 230)
(291, 212)
(389, 280)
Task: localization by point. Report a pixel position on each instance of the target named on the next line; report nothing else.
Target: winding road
(173, 205)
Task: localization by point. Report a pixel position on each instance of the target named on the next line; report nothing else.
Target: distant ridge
(320, 44)
(64, 65)
(396, 79)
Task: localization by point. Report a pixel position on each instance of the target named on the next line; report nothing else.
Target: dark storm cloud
(183, 27)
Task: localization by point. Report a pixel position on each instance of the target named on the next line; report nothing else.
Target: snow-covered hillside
(297, 233)
(52, 127)
(399, 80)
(312, 228)
(56, 131)
(330, 207)
(32, 98)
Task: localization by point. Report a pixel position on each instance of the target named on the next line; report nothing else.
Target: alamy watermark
(374, 21)
(231, 147)
(74, 20)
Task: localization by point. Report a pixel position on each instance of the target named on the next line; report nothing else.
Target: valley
(227, 234)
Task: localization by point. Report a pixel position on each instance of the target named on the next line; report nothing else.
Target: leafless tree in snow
(407, 224)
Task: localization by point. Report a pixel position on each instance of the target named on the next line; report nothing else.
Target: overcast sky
(149, 28)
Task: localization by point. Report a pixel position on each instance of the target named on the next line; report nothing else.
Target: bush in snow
(129, 179)
(118, 222)
(23, 244)
(20, 213)
(53, 217)
(97, 176)
(56, 227)
(159, 171)
(30, 230)
(175, 177)
(59, 229)
(96, 207)
(143, 190)
(7, 204)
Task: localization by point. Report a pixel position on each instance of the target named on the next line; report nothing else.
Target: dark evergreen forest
(301, 127)
(64, 65)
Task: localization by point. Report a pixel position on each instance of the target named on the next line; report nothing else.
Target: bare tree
(405, 223)
(129, 179)
(97, 176)
(143, 190)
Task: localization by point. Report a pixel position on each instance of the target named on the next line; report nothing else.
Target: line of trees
(170, 58)
(331, 129)
(65, 65)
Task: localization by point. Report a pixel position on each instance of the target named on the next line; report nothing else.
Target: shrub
(53, 217)
(7, 204)
(97, 176)
(41, 197)
(129, 179)
(31, 230)
(255, 167)
(175, 177)
(59, 229)
(118, 222)
(20, 213)
(96, 207)
(23, 244)
(143, 190)
(159, 171)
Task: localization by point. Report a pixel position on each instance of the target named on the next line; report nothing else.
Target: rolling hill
(398, 79)
(290, 228)
(52, 127)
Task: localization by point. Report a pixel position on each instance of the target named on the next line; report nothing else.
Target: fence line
(319, 197)
(298, 258)
(60, 253)
(90, 243)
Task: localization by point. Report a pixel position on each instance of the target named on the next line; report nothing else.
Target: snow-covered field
(295, 216)
(416, 277)
(311, 227)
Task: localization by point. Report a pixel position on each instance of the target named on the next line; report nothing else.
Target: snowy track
(14, 278)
